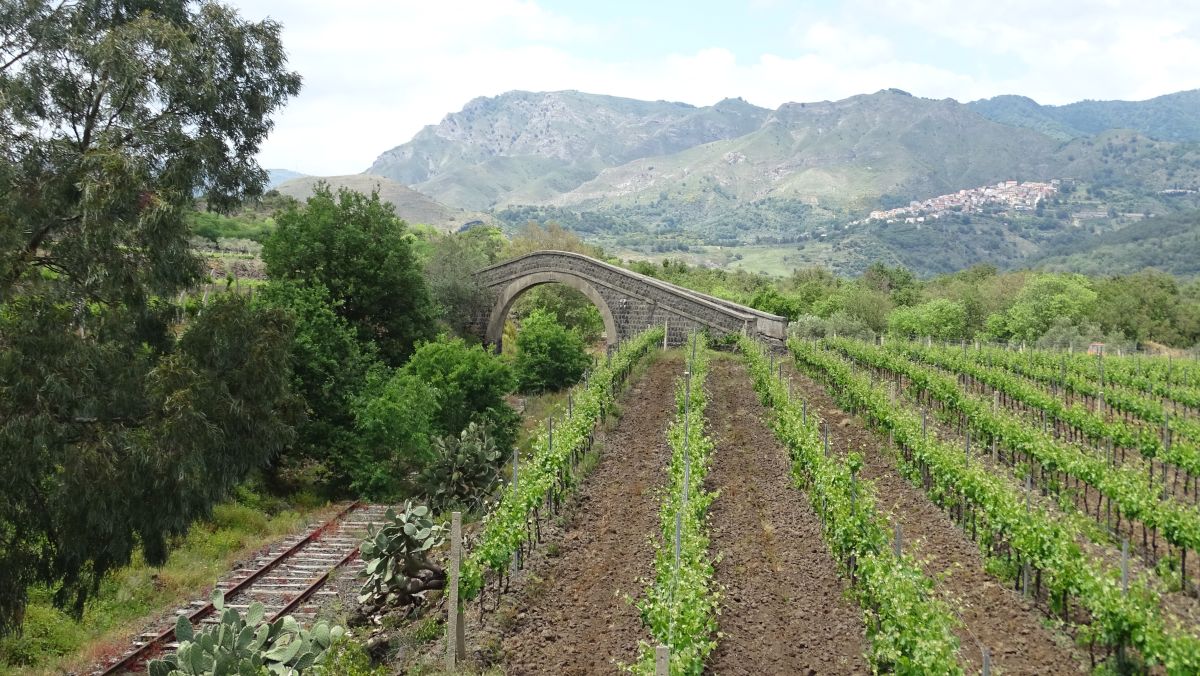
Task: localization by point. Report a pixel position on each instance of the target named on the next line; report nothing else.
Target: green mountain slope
(1172, 117)
(1169, 243)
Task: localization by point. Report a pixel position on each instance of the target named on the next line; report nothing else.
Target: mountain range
(644, 177)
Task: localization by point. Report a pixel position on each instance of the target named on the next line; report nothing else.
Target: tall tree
(114, 432)
(354, 245)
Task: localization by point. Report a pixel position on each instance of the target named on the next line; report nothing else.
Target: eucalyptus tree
(118, 427)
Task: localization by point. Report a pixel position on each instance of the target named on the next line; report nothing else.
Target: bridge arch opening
(494, 334)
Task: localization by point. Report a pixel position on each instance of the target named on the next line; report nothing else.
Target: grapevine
(911, 632)
(1007, 526)
(548, 473)
(680, 607)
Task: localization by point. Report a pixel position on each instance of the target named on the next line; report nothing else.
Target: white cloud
(376, 72)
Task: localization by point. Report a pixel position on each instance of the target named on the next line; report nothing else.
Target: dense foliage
(355, 247)
(1049, 309)
(549, 357)
(409, 419)
(329, 367)
(117, 433)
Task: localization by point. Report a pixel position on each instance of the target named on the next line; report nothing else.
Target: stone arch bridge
(628, 302)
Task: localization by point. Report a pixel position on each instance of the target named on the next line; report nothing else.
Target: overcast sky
(376, 71)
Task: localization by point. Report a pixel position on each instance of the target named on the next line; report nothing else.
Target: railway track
(286, 579)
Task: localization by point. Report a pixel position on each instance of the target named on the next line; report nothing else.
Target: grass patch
(52, 642)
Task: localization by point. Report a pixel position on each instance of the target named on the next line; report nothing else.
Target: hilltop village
(1011, 194)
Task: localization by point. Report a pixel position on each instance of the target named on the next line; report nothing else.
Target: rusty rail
(141, 654)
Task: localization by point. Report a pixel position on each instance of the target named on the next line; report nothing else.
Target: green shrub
(549, 357)
(45, 631)
(347, 657)
(469, 384)
(394, 420)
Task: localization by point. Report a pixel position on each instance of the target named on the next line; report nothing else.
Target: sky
(376, 71)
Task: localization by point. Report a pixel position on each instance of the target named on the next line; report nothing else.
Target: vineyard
(848, 507)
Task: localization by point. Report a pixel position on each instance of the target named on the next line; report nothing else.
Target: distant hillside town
(1011, 194)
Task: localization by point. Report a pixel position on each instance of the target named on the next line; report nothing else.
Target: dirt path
(783, 611)
(572, 615)
(993, 614)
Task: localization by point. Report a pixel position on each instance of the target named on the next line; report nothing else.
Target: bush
(549, 357)
(345, 657)
(395, 423)
(940, 319)
(469, 384)
(812, 327)
(399, 418)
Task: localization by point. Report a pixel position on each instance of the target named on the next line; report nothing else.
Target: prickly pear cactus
(398, 570)
(245, 646)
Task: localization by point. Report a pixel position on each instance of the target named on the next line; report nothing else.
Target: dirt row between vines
(571, 613)
(783, 610)
(993, 614)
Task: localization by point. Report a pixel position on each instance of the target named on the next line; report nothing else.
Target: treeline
(1141, 309)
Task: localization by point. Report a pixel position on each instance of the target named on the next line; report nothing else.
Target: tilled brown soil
(573, 615)
(993, 615)
(784, 611)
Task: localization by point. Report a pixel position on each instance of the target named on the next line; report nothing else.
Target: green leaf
(255, 613)
(285, 650)
(183, 629)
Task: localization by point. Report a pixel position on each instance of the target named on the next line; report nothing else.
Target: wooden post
(666, 331)
(898, 543)
(455, 639)
(662, 661)
(987, 662)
